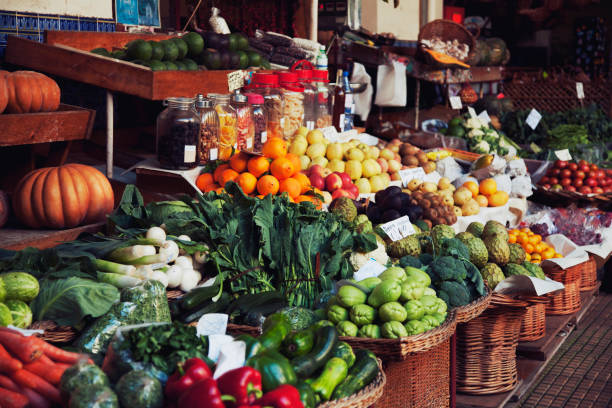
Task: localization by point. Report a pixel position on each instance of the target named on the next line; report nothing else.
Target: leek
(129, 254)
(108, 266)
(118, 280)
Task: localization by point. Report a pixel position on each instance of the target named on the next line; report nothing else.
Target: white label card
(472, 112)
(399, 228)
(579, 90)
(455, 102)
(214, 154)
(484, 117)
(330, 133)
(310, 125)
(409, 174)
(235, 80)
(563, 154)
(371, 269)
(264, 137)
(533, 119)
(189, 155)
(249, 143)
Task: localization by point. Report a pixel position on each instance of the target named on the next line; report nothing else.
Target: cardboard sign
(409, 174)
(455, 102)
(235, 80)
(533, 119)
(399, 228)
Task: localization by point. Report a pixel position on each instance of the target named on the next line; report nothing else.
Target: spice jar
(227, 125)
(209, 130)
(260, 121)
(293, 103)
(267, 85)
(310, 97)
(177, 132)
(244, 122)
(323, 105)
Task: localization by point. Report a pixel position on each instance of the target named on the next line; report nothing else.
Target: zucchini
(326, 339)
(360, 374)
(197, 297)
(344, 351)
(212, 307)
(298, 343)
(334, 372)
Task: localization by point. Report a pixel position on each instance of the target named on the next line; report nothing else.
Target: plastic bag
(391, 85)
(151, 296)
(97, 336)
(218, 23)
(449, 168)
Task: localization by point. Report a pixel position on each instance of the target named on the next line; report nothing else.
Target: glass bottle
(310, 97)
(260, 121)
(227, 126)
(177, 134)
(209, 131)
(293, 103)
(244, 122)
(323, 107)
(349, 105)
(339, 101)
(267, 85)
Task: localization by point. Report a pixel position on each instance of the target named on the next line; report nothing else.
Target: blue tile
(47, 22)
(69, 24)
(8, 20)
(2, 49)
(87, 24)
(3, 37)
(27, 22)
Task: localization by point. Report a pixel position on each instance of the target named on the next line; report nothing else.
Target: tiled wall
(33, 25)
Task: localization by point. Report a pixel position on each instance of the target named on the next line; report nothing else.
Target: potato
(470, 207)
(457, 211)
(462, 195)
(444, 183)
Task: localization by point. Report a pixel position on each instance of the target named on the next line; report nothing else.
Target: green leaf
(68, 301)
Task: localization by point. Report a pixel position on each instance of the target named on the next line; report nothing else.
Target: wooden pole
(314, 19)
(109, 134)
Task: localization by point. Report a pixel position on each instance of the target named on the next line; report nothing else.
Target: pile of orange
(276, 172)
(486, 193)
(536, 249)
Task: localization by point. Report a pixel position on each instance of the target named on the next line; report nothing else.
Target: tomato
(583, 163)
(585, 168)
(560, 164)
(555, 172)
(554, 180)
(566, 181)
(579, 174)
(594, 167)
(545, 180)
(566, 173)
(577, 182)
(571, 188)
(584, 190)
(572, 166)
(598, 190)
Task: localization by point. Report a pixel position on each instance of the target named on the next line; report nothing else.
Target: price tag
(189, 155)
(455, 102)
(249, 143)
(264, 137)
(484, 117)
(472, 112)
(579, 90)
(370, 270)
(399, 228)
(533, 119)
(310, 125)
(212, 323)
(214, 154)
(330, 133)
(409, 174)
(563, 154)
(235, 80)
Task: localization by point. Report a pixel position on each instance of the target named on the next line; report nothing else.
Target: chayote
(414, 309)
(349, 295)
(393, 273)
(440, 317)
(431, 304)
(392, 311)
(347, 328)
(429, 292)
(393, 330)
(370, 330)
(414, 327)
(362, 315)
(415, 274)
(336, 314)
(369, 283)
(410, 291)
(431, 321)
(386, 291)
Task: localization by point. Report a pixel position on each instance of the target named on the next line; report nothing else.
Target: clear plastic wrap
(218, 23)
(96, 337)
(150, 296)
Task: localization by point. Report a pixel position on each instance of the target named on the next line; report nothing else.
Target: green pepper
(392, 311)
(334, 372)
(347, 328)
(253, 346)
(298, 343)
(307, 395)
(275, 369)
(370, 330)
(337, 314)
(414, 310)
(275, 328)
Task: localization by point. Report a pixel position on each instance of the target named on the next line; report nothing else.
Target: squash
(62, 197)
(4, 94)
(4, 208)
(29, 91)
(437, 58)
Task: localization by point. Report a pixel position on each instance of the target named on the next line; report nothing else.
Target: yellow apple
(353, 169)
(320, 160)
(304, 162)
(336, 165)
(315, 136)
(316, 150)
(355, 154)
(363, 185)
(334, 151)
(298, 146)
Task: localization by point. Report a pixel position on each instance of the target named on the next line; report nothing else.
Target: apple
(316, 150)
(598, 190)
(363, 184)
(591, 182)
(373, 152)
(304, 162)
(387, 154)
(315, 136)
(560, 164)
(336, 165)
(584, 190)
(554, 180)
(566, 181)
(566, 173)
(572, 166)
(325, 172)
(370, 168)
(346, 179)
(579, 174)
(394, 147)
(315, 169)
(394, 166)
(334, 151)
(340, 193)
(355, 154)
(333, 182)
(384, 165)
(395, 176)
(352, 190)
(571, 188)
(577, 182)
(353, 169)
(317, 181)
(377, 183)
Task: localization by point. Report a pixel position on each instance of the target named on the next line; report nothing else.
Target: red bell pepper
(203, 394)
(188, 373)
(285, 396)
(242, 383)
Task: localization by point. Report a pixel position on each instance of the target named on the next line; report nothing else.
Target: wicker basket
(421, 380)
(588, 277)
(448, 30)
(474, 309)
(54, 333)
(567, 301)
(533, 324)
(364, 398)
(486, 348)
(403, 348)
(173, 295)
(238, 329)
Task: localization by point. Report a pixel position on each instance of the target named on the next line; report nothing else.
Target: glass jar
(323, 106)
(260, 121)
(227, 126)
(244, 122)
(209, 131)
(267, 85)
(177, 133)
(293, 104)
(310, 97)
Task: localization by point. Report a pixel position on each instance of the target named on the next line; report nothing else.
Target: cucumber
(360, 375)
(344, 351)
(326, 339)
(20, 286)
(212, 307)
(298, 343)
(198, 297)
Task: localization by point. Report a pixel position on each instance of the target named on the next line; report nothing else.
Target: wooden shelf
(17, 239)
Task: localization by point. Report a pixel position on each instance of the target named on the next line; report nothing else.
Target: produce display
(535, 249)
(28, 92)
(582, 177)
(480, 137)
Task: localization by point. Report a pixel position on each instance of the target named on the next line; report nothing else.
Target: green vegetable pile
(17, 289)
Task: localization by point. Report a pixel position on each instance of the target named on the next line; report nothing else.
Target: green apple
(354, 169)
(363, 184)
(298, 146)
(336, 165)
(370, 168)
(315, 136)
(377, 183)
(304, 162)
(355, 154)
(320, 160)
(316, 150)
(334, 151)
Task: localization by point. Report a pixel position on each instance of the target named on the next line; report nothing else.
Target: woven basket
(474, 309)
(403, 348)
(588, 277)
(238, 329)
(54, 333)
(448, 30)
(364, 398)
(533, 324)
(567, 301)
(421, 380)
(173, 295)
(486, 348)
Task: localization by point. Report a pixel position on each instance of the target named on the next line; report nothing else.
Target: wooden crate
(66, 54)
(67, 123)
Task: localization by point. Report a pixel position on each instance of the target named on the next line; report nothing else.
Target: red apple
(340, 193)
(315, 169)
(554, 180)
(566, 181)
(577, 182)
(352, 190)
(579, 174)
(545, 180)
(571, 188)
(572, 166)
(317, 181)
(591, 182)
(333, 182)
(560, 164)
(566, 173)
(598, 190)
(384, 165)
(346, 179)
(584, 190)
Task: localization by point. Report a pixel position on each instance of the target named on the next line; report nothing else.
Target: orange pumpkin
(62, 197)
(29, 91)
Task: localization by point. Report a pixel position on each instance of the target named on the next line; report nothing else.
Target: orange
(282, 168)
(258, 165)
(539, 247)
(525, 230)
(522, 239)
(267, 185)
(304, 181)
(513, 231)
(217, 173)
(558, 255)
(511, 239)
(487, 187)
(204, 180)
(498, 199)
(290, 186)
(295, 160)
(530, 233)
(533, 239)
(239, 161)
(527, 257)
(536, 257)
(528, 248)
(210, 187)
(318, 204)
(482, 200)
(548, 253)
(247, 182)
(274, 148)
(228, 175)
(473, 187)
(220, 190)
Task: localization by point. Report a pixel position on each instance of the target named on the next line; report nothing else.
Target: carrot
(27, 379)
(7, 383)
(57, 354)
(8, 364)
(12, 399)
(49, 372)
(45, 359)
(35, 399)
(21, 347)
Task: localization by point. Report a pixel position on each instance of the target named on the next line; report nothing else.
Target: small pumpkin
(29, 91)
(62, 197)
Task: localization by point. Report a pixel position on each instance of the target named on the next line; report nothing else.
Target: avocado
(243, 42)
(158, 50)
(170, 66)
(171, 51)
(195, 44)
(223, 42)
(157, 65)
(180, 65)
(140, 49)
(224, 56)
(254, 59)
(182, 47)
(190, 64)
(243, 59)
(211, 39)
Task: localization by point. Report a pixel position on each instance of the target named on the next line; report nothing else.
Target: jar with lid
(260, 120)
(244, 122)
(323, 105)
(227, 125)
(177, 133)
(209, 130)
(293, 103)
(267, 85)
(310, 97)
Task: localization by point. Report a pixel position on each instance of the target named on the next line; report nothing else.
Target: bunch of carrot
(30, 370)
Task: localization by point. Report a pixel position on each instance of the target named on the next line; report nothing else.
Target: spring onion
(175, 276)
(157, 234)
(169, 250)
(128, 254)
(118, 280)
(190, 280)
(108, 266)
